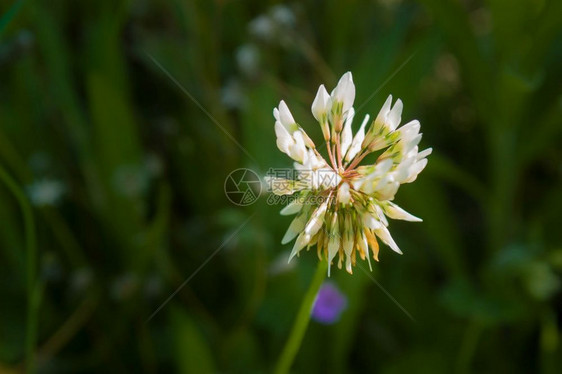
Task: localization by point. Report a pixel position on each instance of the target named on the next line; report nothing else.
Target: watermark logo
(242, 187)
(289, 181)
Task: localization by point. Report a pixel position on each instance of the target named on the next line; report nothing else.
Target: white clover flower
(46, 192)
(342, 206)
(248, 59)
(262, 27)
(283, 15)
(274, 26)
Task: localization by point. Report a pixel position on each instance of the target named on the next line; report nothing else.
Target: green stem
(301, 323)
(33, 293)
(468, 347)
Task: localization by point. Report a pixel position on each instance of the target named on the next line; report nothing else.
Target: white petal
(357, 140)
(285, 115)
(309, 143)
(366, 186)
(302, 240)
(383, 113)
(333, 247)
(412, 153)
(410, 130)
(387, 188)
(294, 207)
(297, 151)
(376, 179)
(424, 153)
(364, 245)
(317, 161)
(339, 90)
(313, 163)
(345, 91)
(348, 265)
(347, 135)
(335, 239)
(415, 170)
(405, 148)
(343, 194)
(395, 212)
(283, 146)
(393, 118)
(380, 214)
(284, 139)
(349, 95)
(296, 227)
(321, 103)
(317, 219)
(387, 239)
(348, 243)
(381, 168)
(402, 171)
(411, 143)
(371, 221)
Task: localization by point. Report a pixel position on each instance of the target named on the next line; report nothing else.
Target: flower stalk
(33, 289)
(301, 322)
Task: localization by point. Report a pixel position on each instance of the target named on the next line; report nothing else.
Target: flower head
(329, 304)
(46, 192)
(341, 205)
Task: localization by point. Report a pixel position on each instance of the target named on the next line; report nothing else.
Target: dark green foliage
(86, 101)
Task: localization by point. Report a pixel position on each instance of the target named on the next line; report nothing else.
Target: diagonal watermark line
(213, 119)
(199, 268)
(386, 81)
(387, 293)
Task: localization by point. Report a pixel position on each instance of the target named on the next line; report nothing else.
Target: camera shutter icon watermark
(242, 187)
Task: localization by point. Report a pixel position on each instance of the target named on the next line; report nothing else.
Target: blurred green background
(111, 188)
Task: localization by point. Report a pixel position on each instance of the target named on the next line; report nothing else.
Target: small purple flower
(329, 304)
